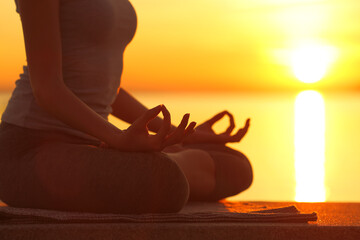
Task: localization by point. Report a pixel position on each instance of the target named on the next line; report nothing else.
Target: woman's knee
(233, 173)
(244, 171)
(172, 190)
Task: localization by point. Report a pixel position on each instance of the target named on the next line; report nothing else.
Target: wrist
(114, 137)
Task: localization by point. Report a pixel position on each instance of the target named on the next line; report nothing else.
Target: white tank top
(94, 35)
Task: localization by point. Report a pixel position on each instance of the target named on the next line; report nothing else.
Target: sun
(310, 62)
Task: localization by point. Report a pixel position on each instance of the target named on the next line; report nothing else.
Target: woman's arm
(41, 27)
(128, 108)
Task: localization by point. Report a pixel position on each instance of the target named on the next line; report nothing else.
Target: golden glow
(311, 61)
(220, 45)
(310, 147)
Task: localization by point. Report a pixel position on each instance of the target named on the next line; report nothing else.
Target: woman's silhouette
(58, 151)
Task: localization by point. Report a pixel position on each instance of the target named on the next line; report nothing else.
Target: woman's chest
(97, 20)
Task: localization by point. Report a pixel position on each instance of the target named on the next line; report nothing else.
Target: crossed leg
(85, 178)
(213, 171)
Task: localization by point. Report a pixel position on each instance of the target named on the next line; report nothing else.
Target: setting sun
(310, 62)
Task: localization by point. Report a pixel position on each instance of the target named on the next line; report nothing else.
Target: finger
(149, 115)
(183, 123)
(179, 132)
(166, 124)
(232, 124)
(190, 129)
(216, 118)
(247, 124)
(241, 132)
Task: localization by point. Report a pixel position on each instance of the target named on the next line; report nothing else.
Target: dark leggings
(233, 171)
(50, 170)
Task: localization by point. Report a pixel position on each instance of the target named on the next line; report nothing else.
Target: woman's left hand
(205, 134)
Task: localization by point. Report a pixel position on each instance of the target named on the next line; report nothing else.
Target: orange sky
(220, 45)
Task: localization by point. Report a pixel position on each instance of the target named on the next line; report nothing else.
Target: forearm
(128, 108)
(61, 103)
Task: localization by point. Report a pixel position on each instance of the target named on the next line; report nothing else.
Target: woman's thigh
(76, 177)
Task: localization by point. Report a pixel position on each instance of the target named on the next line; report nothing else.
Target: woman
(60, 152)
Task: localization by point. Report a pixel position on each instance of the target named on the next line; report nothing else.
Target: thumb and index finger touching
(150, 115)
(219, 116)
(239, 134)
(166, 125)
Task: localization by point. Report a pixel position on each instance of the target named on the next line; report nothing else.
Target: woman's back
(94, 34)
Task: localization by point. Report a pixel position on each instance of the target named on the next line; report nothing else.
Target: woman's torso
(94, 34)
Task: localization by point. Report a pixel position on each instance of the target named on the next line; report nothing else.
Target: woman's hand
(137, 137)
(205, 134)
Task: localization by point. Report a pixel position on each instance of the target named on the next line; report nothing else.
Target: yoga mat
(288, 214)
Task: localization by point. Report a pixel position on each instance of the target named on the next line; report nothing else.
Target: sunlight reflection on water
(310, 147)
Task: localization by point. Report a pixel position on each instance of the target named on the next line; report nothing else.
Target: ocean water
(303, 146)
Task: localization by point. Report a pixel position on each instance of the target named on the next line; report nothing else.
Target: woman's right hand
(137, 138)
(204, 133)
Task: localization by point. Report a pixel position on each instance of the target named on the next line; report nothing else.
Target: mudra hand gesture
(138, 138)
(204, 132)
